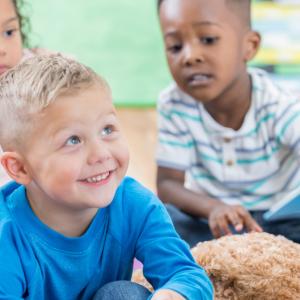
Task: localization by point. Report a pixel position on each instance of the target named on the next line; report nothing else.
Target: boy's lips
(198, 79)
(97, 177)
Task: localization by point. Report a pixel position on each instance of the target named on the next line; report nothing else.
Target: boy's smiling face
(207, 46)
(76, 156)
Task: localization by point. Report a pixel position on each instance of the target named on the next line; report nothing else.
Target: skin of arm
(170, 188)
(165, 294)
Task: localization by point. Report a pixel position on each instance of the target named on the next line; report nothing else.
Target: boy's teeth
(199, 77)
(97, 178)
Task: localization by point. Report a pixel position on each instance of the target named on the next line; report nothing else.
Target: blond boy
(71, 224)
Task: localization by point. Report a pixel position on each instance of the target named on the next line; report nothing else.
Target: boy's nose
(192, 55)
(98, 153)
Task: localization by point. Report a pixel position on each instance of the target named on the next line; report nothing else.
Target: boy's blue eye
(209, 40)
(107, 130)
(73, 140)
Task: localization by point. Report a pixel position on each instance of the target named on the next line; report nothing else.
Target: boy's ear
(14, 165)
(252, 44)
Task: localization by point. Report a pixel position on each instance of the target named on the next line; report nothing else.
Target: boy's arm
(174, 154)
(167, 295)
(12, 282)
(168, 263)
(170, 187)
(10, 285)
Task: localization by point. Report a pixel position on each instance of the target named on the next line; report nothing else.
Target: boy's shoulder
(135, 202)
(173, 96)
(5, 191)
(130, 209)
(10, 238)
(8, 225)
(265, 89)
(133, 194)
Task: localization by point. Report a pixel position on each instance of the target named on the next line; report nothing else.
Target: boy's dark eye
(208, 40)
(174, 48)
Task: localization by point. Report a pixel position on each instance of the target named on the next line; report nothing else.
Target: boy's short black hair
(243, 8)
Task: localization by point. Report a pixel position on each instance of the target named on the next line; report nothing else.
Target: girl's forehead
(7, 12)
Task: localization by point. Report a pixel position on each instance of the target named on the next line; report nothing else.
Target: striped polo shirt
(253, 166)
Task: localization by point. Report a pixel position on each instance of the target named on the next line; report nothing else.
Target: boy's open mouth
(96, 178)
(198, 79)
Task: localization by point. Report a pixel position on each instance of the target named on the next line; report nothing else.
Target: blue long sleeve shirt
(37, 262)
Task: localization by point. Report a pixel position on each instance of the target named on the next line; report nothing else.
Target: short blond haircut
(30, 87)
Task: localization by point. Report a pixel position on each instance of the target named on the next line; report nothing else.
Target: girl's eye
(209, 40)
(107, 130)
(9, 33)
(73, 140)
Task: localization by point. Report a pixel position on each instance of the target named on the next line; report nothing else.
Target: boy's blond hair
(33, 85)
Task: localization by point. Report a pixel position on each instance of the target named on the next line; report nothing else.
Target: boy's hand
(167, 295)
(223, 215)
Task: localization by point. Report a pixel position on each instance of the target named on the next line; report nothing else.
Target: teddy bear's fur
(253, 266)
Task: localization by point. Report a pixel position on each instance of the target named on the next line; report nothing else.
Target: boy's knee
(122, 290)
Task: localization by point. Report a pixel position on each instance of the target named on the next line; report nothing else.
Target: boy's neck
(230, 110)
(70, 225)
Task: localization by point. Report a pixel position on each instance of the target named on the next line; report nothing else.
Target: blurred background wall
(118, 38)
(121, 40)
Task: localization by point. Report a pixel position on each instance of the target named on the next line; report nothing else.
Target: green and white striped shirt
(251, 166)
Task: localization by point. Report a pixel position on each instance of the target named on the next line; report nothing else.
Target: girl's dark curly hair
(159, 3)
(23, 21)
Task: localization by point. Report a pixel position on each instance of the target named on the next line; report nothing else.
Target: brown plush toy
(253, 266)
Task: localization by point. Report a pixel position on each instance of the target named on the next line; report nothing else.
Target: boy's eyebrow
(10, 20)
(63, 128)
(207, 23)
(202, 23)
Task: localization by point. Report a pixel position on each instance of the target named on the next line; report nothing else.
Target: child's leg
(122, 290)
(191, 229)
(288, 228)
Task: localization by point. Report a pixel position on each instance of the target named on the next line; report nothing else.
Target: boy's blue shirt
(38, 263)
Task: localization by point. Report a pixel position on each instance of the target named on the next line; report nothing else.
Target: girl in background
(14, 28)
(14, 43)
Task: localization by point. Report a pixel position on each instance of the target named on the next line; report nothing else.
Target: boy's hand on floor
(167, 295)
(223, 216)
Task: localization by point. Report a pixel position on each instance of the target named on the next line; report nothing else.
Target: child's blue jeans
(122, 290)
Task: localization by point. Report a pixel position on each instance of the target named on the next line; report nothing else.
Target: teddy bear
(250, 266)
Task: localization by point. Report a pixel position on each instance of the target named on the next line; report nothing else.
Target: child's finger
(224, 226)
(236, 221)
(214, 228)
(257, 228)
(251, 224)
